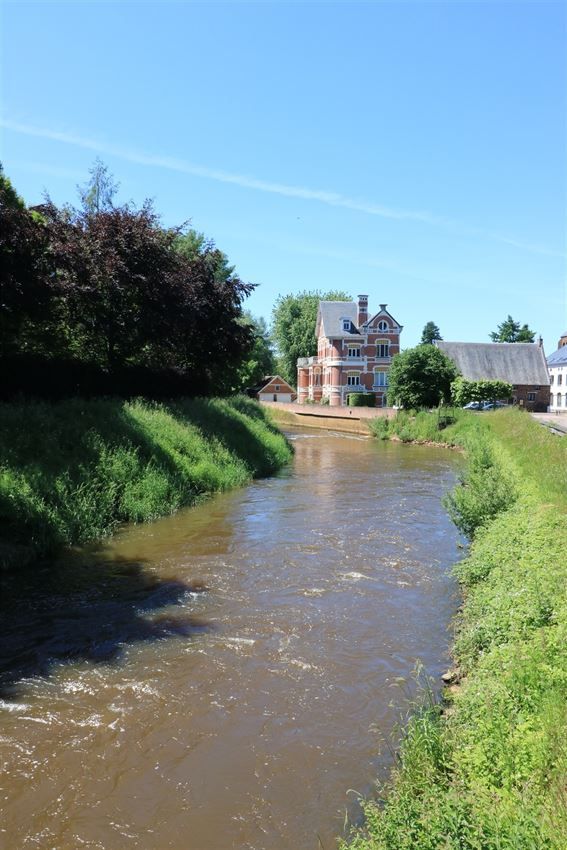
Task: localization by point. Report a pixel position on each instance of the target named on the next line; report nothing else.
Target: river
(230, 676)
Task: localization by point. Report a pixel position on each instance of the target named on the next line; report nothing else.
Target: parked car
(493, 405)
(474, 405)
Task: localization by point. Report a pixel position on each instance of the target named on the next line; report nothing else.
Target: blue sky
(413, 151)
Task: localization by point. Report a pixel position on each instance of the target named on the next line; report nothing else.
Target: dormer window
(382, 325)
(346, 325)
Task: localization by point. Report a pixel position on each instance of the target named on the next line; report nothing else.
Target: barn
(273, 388)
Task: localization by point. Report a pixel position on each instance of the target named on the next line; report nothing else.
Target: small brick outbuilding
(273, 388)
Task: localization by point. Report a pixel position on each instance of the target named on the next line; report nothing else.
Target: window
(382, 325)
(382, 348)
(353, 379)
(558, 402)
(380, 378)
(559, 380)
(532, 396)
(354, 351)
(551, 399)
(346, 324)
(277, 388)
(551, 379)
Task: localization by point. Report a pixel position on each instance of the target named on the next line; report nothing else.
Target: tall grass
(70, 471)
(489, 771)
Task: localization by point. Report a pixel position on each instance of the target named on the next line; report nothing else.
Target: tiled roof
(330, 315)
(558, 357)
(514, 362)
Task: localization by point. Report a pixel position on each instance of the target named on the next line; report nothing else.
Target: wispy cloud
(329, 198)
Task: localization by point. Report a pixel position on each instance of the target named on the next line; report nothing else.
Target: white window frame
(353, 379)
(383, 325)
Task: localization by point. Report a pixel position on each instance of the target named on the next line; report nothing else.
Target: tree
(131, 298)
(98, 192)
(293, 327)
(430, 332)
(510, 331)
(260, 361)
(25, 292)
(464, 391)
(421, 377)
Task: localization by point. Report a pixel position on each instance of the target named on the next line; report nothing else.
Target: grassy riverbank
(71, 471)
(488, 770)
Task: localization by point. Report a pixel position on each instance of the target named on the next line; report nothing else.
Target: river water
(230, 676)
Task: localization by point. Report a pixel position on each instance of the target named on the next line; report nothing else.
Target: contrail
(329, 198)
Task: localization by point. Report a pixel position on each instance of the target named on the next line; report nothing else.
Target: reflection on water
(219, 679)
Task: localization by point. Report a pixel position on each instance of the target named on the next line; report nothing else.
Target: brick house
(521, 364)
(272, 388)
(557, 366)
(354, 353)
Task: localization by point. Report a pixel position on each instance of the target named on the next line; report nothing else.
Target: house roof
(267, 379)
(514, 362)
(330, 315)
(558, 357)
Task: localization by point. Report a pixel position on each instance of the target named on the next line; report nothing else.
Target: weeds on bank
(70, 471)
(491, 772)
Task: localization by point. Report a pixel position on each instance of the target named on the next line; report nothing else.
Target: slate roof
(559, 357)
(330, 315)
(514, 362)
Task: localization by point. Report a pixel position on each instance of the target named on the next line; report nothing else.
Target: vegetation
(464, 391)
(69, 472)
(293, 326)
(510, 331)
(430, 333)
(361, 400)
(486, 770)
(421, 377)
(110, 288)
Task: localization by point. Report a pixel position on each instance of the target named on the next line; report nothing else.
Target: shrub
(361, 400)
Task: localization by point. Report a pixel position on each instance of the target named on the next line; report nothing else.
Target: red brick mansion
(354, 352)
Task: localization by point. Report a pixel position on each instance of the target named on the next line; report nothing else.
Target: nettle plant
(464, 391)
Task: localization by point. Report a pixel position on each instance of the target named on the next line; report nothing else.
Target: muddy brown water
(229, 677)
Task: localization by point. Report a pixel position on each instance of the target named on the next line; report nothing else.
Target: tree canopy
(464, 391)
(107, 285)
(430, 332)
(421, 377)
(293, 327)
(511, 331)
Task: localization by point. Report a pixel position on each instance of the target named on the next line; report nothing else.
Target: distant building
(557, 366)
(273, 388)
(521, 364)
(354, 352)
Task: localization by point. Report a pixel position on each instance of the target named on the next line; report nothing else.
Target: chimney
(362, 310)
(383, 307)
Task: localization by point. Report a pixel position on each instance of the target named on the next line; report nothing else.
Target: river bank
(487, 769)
(71, 471)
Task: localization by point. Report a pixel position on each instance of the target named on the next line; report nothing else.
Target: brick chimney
(362, 310)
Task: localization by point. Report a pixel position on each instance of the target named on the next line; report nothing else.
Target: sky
(411, 151)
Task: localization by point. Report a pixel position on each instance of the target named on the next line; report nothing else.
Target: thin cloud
(332, 199)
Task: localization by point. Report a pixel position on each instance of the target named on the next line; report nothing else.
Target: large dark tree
(25, 291)
(511, 331)
(421, 377)
(132, 298)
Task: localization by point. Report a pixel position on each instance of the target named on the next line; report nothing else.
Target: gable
(270, 386)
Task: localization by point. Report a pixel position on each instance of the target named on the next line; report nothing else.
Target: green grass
(71, 471)
(487, 770)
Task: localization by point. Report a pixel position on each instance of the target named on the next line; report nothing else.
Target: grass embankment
(71, 471)
(488, 769)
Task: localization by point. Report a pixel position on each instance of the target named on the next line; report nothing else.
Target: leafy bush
(361, 400)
